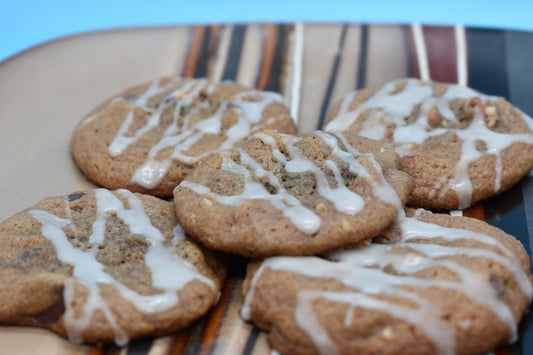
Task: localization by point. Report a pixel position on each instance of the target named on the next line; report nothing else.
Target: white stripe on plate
(421, 52)
(222, 55)
(462, 58)
(160, 346)
(297, 64)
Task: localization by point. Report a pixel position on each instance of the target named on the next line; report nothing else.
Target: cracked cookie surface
(430, 284)
(287, 195)
(460, 145)
(103, 266)
(149, 137)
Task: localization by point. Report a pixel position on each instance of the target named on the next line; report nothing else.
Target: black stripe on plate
(332, 77)
(203, 57)
(524, 345)
(488, 73)
(250, 344)
(361, 70)
(111, 349)
(277, 62)
(519, 58)
(195, 338)
(527, 196)
(234, 54)
(140, 346)
(495, 70)
(487, 61)
(507, 212)
(491, 72)
(519, 51)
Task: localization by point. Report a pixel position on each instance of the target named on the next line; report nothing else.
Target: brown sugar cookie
(461, 146)
(149, 137)
(435, 284)
(284, 195)
(103, 266)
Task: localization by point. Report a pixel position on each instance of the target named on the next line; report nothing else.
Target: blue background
(24, 24)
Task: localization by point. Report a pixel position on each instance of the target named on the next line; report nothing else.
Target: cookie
(148, 138)
(102, 266)
(285, 195)
(461, 146)
(435, 284)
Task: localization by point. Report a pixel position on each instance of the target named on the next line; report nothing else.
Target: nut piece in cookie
(431, 284)
(148, 138)
(102, 266)
(461, 146)
(284, 195)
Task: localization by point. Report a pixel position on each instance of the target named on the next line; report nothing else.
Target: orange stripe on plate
(476, 211)
(107, 349)
(179, 342)
(195, 45)
(98, 350)
(269, 47)
(216, 317)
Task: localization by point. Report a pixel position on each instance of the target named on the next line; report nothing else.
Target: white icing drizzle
(363, 270)
(182, 137)
(343, 198)
(302, 217)
(169, 272)
(382, 189)
(68, 212)
(393, 108)
(186, 94)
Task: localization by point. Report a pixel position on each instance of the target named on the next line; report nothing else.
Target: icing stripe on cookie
(391, 108)
(302, 217)
(169, 272)
(364, 270)
(182, 133)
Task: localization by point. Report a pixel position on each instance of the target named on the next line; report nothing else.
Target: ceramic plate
(47, 89)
